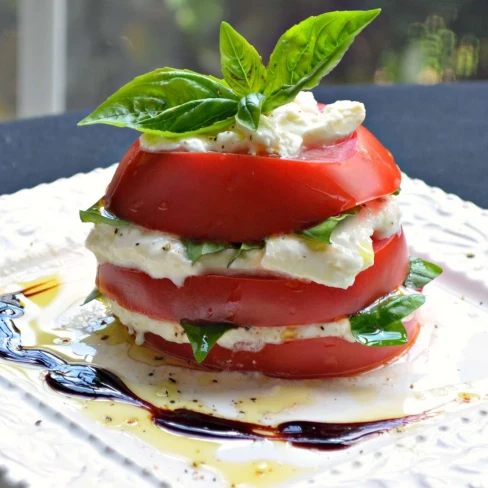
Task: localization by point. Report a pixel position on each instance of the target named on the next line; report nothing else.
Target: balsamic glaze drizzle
(95, 383)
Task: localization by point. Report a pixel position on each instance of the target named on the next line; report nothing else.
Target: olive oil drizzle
(91, 382)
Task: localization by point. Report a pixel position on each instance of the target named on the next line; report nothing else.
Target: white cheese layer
(286, 131)
(240, 338)
(162, 255)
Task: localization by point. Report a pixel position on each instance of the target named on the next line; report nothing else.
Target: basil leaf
(97, 214)
(249, 111)
(380, 324)
(94, 295)
(242, 66)
(310, 50)
(196, 249)
(244, 248)
(169, 102)
(421, 272)
(392, 334)
(397, 192)
(203, 337)
(323, 231)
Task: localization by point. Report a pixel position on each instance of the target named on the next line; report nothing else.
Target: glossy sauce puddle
(54, 322)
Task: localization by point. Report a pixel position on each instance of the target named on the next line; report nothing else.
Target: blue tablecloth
(437, 133)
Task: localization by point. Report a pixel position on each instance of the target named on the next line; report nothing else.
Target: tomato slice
(256, 301)
(308, 358)
(242, 198)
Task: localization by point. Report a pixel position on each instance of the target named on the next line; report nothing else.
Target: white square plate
(47, 436)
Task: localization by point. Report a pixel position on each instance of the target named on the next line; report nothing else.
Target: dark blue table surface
(437, 133)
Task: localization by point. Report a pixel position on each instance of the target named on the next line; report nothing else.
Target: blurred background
(60, 55)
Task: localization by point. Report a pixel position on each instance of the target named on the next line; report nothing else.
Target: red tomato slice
(242, 198)
(308, 358)
(256, 301)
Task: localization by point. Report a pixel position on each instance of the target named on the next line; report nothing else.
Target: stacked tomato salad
(251, 228)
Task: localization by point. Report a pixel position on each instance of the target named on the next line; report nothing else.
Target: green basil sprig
(322, 232)
(421, 272)
(203, 337)
(97, 214)
(380, 324)
(171, 102)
